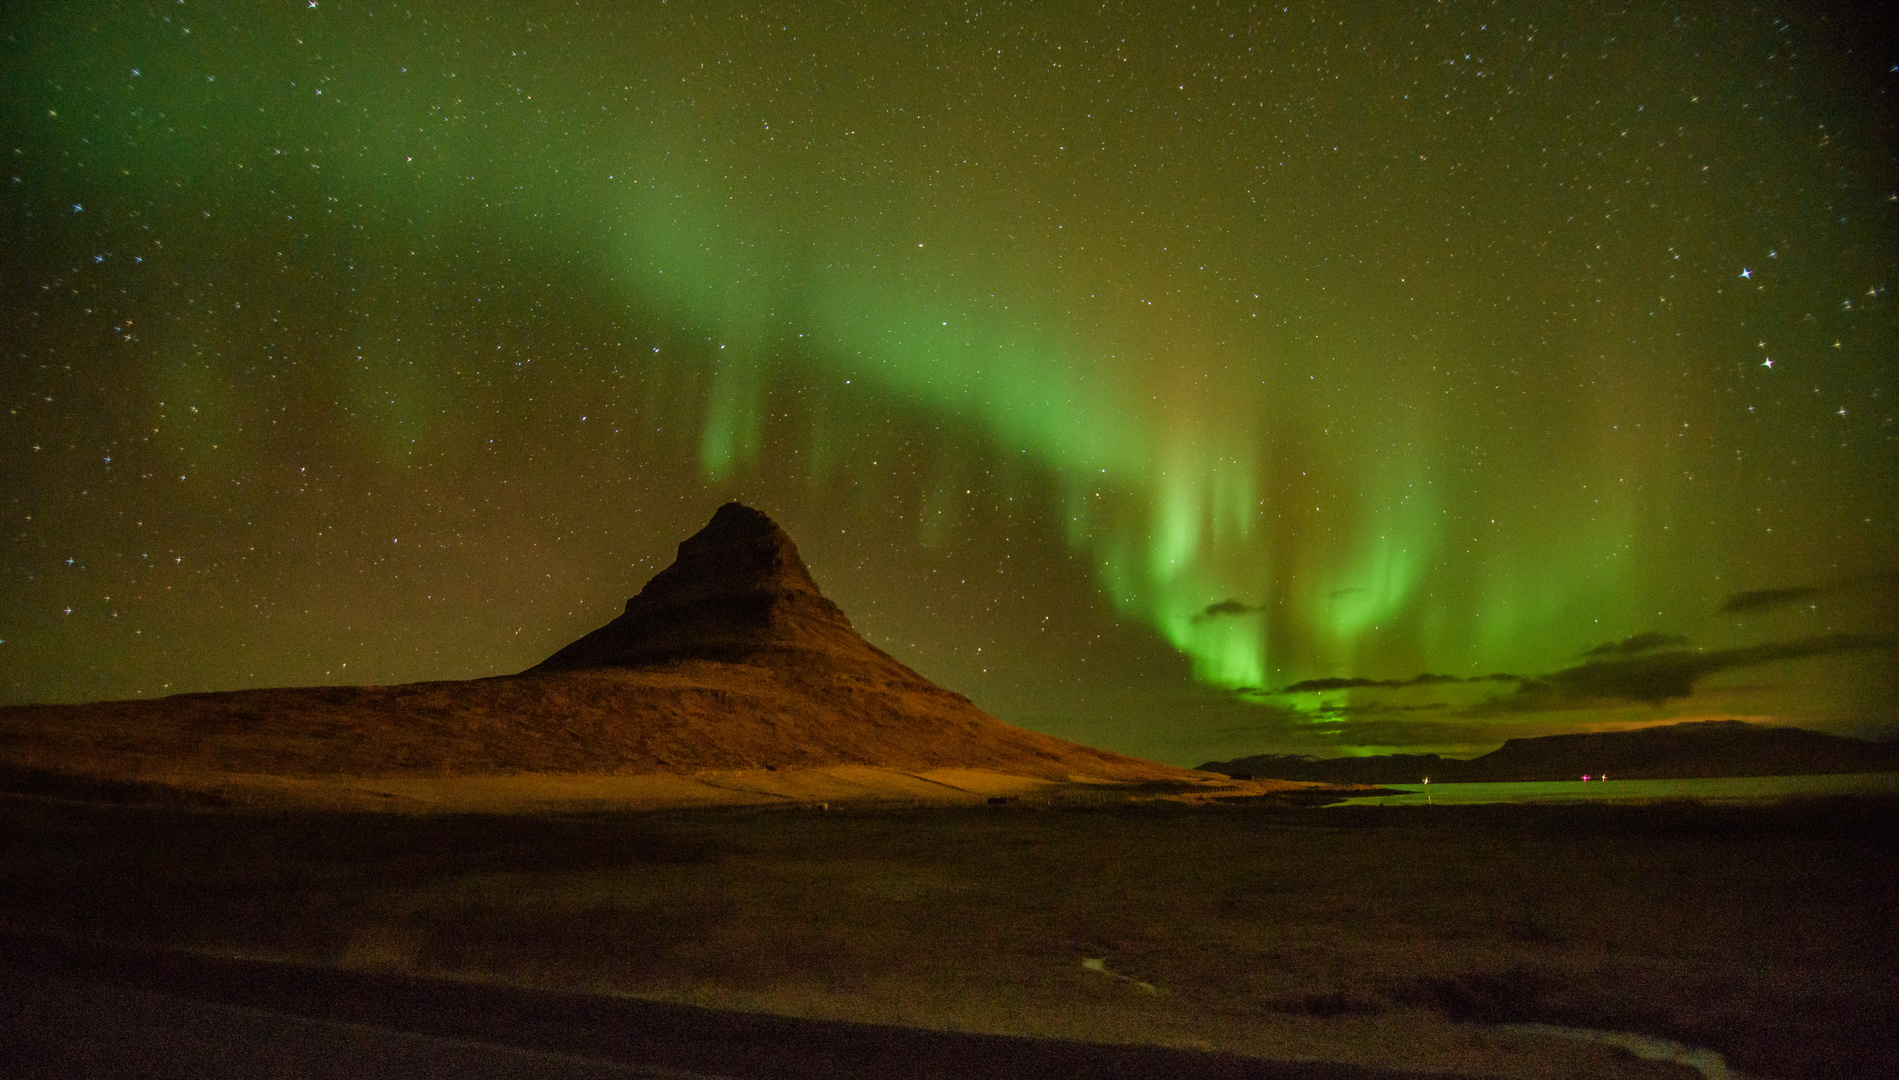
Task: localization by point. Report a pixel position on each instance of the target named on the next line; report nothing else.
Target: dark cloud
(1340, 709)
(1225, 607)
(1866, 585)
(1672, 674)
(1310, 685)
(1653, 679)
(1422, 679)
(1640, 643)
(1441, 730)
(1764, 599)
(1653, 674)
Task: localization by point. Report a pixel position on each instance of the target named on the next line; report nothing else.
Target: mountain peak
(736, 592)
(739, 548)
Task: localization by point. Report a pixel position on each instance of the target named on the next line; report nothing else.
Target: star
(1842, 410)
(1746, 273)
(1768, 363)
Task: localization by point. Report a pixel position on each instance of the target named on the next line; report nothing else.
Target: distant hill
(1675, 751)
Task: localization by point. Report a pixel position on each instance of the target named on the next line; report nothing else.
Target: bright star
(1767, 363)
(1842, 410)
(1746, 273)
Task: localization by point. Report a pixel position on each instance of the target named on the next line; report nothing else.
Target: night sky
(1184, 381)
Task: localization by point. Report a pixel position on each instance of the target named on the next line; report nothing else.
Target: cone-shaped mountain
(729, 659)
(737, 592)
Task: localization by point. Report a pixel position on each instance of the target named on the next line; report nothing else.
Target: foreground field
(1399, 938)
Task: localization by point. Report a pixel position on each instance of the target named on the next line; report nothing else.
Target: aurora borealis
(1182, 381)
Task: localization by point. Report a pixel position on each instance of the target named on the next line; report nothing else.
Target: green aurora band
(1326, 382)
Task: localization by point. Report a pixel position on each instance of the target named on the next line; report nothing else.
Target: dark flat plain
(191, 1015)
(1377, 937)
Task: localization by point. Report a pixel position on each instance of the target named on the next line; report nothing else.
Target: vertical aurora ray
(1034, 384)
